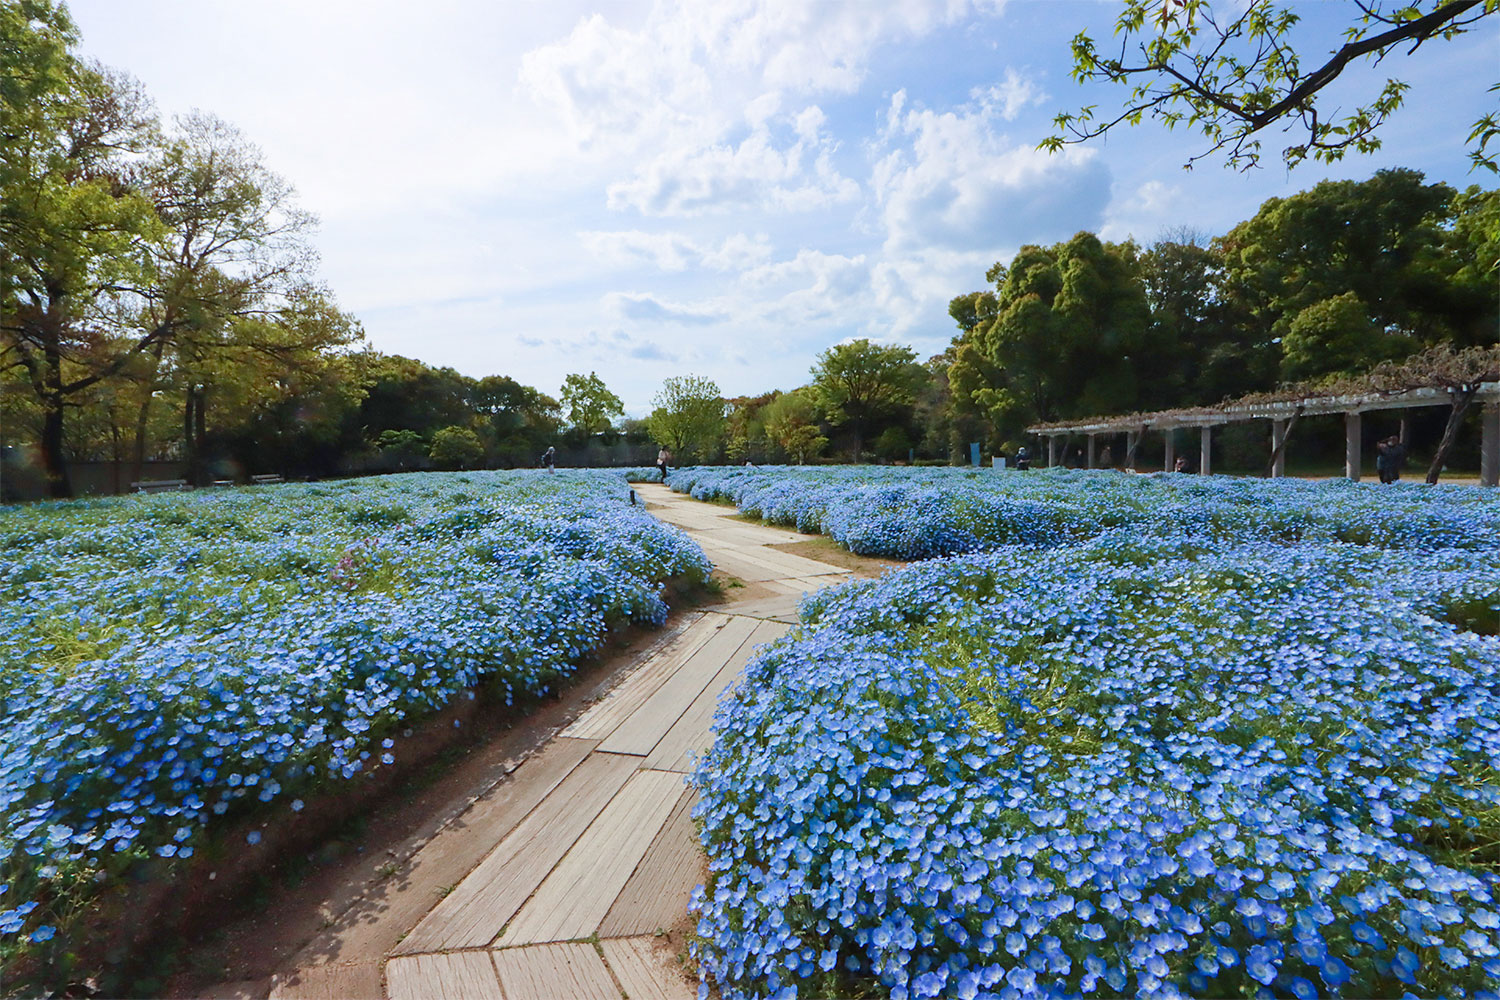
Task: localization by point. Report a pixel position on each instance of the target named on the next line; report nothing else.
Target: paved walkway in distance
(588, 840)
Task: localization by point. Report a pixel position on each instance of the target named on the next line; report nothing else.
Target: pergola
(1281, 413)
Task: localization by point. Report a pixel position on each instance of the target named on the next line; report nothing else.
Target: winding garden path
(558, 880)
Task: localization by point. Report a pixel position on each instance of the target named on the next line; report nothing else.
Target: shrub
(456, 448)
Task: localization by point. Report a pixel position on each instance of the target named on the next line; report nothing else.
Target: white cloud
(756, 174)
(812, 287)
(698, 89)
(954, 194)
(674, 252)
(642, 308)
(1150, 208)
(951, 181)
(1008, 98)
(694, 67)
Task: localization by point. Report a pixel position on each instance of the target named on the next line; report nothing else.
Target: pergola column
(1489, 445)
(1092, 438)
(1132, 441)
(1278, 448)
(1205, 450)
(1352, 425)
(1051, 451)
(1170, 436)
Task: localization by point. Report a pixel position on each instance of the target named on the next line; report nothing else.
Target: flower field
(1198, 762)
(168, 659)
(907, 513)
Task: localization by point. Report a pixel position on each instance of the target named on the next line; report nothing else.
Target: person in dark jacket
(1390, 458)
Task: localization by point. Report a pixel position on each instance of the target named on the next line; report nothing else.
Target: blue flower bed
(908, 513)
(1124, 767)
(167, 659)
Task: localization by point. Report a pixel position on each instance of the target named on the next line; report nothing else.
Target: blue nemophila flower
(166, 660)
(1171, 756)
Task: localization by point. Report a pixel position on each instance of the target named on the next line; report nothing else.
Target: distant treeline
(1328, 282)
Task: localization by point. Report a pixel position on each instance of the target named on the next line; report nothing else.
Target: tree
(74, 228)
(406, 394)
(590, 406)
(401, 447)
(1331, 336)
(688, 416)
(1071, 337)
(1207, 351)
(282, 388)
(1231, 76)
(125, 249)
(745, 433)
(792, 422)
(235, 255)
(456, 448)
(520, 419)
(859, 382)
(1389, 240)
(968, 311)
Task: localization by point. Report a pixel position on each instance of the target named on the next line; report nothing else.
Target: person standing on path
(1390, 457)
(663, 456)
(549, 459)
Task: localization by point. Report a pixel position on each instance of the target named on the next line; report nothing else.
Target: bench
(266, 479)
(222, 483)
(160, 485)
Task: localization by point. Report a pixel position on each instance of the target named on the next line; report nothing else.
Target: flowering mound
(164, 659)
(1123, 767)
(908, 513)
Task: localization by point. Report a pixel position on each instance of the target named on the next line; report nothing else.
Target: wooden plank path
(562, 874)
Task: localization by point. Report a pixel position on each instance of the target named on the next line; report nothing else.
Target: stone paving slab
(639, 965)
(574, 899)
(552, 972)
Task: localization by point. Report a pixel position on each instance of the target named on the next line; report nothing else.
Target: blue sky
(716, 187)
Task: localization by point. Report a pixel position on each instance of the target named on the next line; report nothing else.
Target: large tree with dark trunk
(120, 243)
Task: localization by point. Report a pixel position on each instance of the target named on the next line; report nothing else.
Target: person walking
(1023, 458)
(663, 456)
(549, 459)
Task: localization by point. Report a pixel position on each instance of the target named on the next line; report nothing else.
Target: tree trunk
(1461, 397)
(189, 441)
(200, 432)
(114, 449)
(59, 486)
(139, 456)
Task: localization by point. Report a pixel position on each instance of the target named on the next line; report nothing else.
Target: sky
(723, 188)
